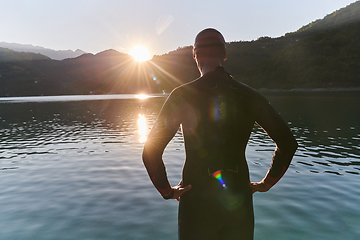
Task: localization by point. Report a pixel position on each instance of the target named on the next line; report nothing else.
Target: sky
(160, 25)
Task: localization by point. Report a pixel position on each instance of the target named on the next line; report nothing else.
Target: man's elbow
(292, 146)
(288, 146)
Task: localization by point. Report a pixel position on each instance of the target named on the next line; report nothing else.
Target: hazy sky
(161, 25)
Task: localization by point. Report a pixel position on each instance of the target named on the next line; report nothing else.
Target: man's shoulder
(185, 87)
(216, 81)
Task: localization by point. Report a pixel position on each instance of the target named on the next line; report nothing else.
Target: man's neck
(208, 65)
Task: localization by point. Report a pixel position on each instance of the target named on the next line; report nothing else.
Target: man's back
(217, 114)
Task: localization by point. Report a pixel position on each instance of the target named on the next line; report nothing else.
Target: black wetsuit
(216, 114)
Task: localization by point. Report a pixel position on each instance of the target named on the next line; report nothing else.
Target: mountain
(8, 55)
(53, 54)
(107, 72)
(324, 59)
(323, 54)
(343, 16)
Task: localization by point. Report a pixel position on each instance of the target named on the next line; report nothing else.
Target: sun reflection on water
(142, 96)
(142, 128)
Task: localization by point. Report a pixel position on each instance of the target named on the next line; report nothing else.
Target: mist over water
(72, 169)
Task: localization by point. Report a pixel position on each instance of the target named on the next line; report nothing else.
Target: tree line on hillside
(8, 55)
(329, 59)
(108, 72)
(343, 16)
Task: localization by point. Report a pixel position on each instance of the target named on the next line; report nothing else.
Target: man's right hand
(259, 186)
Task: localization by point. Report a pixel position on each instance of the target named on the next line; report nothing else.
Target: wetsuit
(216, 114)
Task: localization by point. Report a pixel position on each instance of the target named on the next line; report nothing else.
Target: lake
(71, 168)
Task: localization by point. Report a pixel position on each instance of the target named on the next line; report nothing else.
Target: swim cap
(209, 42)
(209, 34)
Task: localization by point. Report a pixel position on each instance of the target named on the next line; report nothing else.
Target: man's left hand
(180, 190)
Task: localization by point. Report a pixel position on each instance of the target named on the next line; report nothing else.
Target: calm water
(71, 169)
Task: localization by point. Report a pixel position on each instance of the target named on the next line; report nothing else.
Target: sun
(140, 53)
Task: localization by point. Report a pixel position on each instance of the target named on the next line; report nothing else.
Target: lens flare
(217, 109)
(218, 176)
(163, 22)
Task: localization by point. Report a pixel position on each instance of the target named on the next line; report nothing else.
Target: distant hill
(325, 59)
(338, 18)
(53, 54)
(107, 72)
(324, 54)
(8, 55)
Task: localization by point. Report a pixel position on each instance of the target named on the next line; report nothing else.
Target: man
(216, 114)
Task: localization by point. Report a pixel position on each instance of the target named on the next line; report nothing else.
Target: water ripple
(74, 169)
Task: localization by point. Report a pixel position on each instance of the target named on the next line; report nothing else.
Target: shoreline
(352, 89)
(263, 90)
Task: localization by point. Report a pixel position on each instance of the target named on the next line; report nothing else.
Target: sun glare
(140, 53)
(142, 96)
(142, 128)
